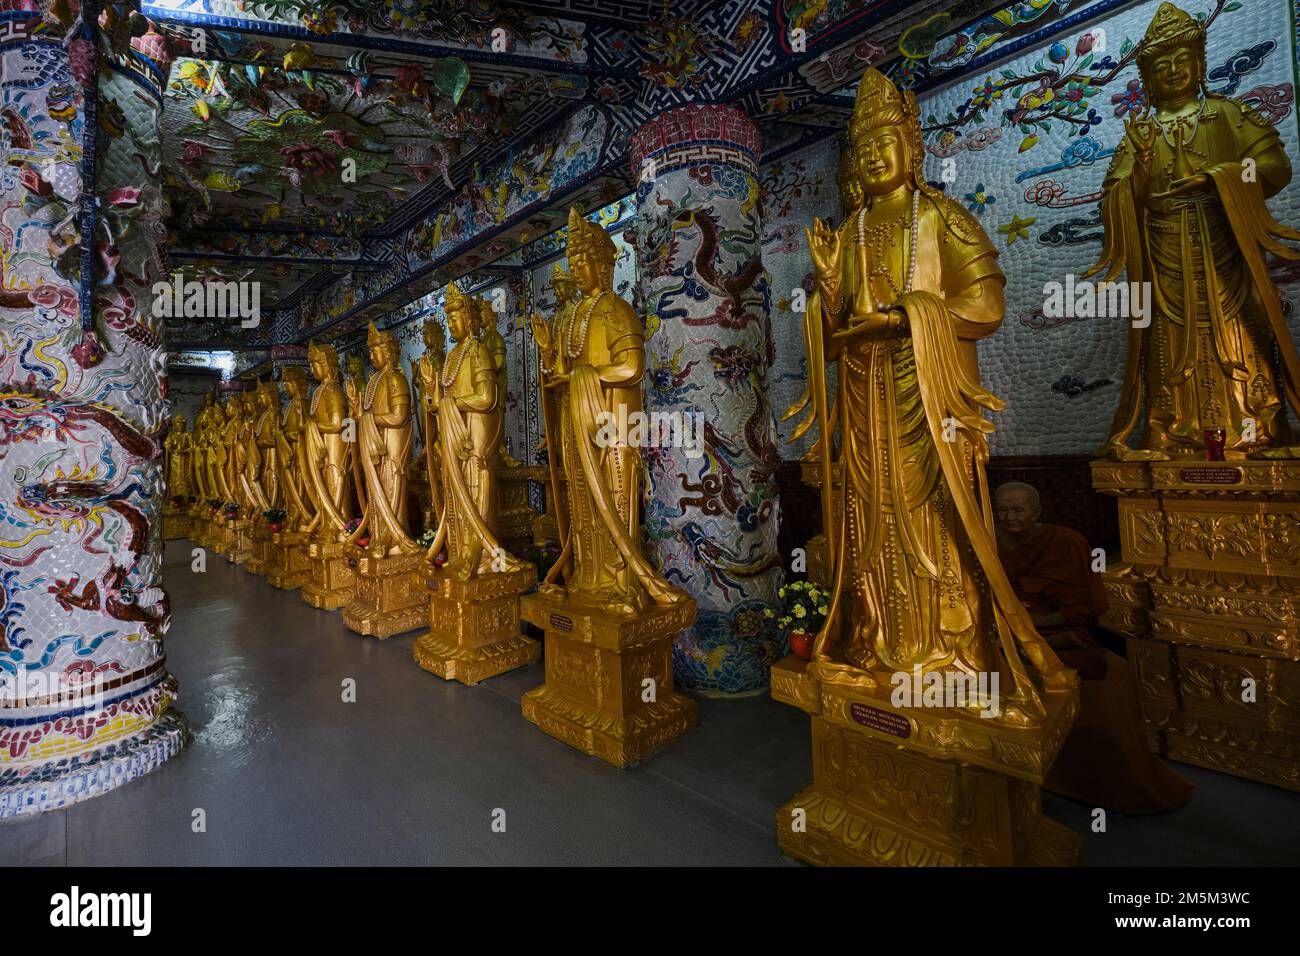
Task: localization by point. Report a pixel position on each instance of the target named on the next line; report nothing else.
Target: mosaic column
(711, 509)
(85, 695)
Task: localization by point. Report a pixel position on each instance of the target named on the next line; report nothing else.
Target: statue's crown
(560, 274)
(880, 103)
(375, 337)
(294, 373)
(587, 238)
(327, 352)
(455, 298)
(1171, 28)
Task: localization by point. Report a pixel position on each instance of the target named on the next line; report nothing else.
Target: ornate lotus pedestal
(609, 679)
(290, 567)
(391, 596)
(236, 539)
(919, 786)
(474, 626)
(331, 578)
(1208, 595)
(259, 558)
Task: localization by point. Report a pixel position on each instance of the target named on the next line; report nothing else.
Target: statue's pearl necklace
(315, 399)
(368, 399)
(910, 237)
(585, 320)
(458, 354)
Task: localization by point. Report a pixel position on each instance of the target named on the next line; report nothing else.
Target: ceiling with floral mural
(350, 157)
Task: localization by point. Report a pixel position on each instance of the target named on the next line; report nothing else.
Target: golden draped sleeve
(587, 407)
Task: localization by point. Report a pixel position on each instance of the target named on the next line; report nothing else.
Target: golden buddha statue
(355, 384)
(427, 369)
(288, 564)
(610, 626)
(903, 290)
(325, 458)
(474, 629)
(263, 460)
(178, 453)
(203, 428)
(323, 452)
(846, 178)
(385, 435)
(465, 397)
(391, 596)
(597, 361)
(289, 437)
(1183, 209)
(178, 448)
(235, 457)
(495, 343)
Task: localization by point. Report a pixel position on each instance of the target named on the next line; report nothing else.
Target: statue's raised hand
(824, 246)
(1140, 131)
(541, 331)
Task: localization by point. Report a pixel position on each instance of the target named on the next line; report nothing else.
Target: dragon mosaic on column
(85, 696)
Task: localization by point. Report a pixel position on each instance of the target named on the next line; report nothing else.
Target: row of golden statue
(1209, 585)
(608, 617)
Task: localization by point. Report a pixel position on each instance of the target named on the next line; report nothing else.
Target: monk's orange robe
(1106, 760)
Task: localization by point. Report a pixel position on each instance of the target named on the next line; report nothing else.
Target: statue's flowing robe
(385, 453)
(1217, 351)
(325, 464)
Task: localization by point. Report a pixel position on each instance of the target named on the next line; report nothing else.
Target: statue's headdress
(587, 238)
(1170, 29)
(294, 373)
(879, 104)
(560, 274)
(376, 337)
(455, 299)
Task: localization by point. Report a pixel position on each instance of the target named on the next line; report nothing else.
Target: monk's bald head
(1016, 506)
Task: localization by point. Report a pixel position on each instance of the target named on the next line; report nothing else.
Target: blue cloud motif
(1240, 64)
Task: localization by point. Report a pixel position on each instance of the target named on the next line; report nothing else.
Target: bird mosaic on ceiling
(322, 137)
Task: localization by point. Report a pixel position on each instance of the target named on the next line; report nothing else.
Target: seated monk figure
(1106, 760)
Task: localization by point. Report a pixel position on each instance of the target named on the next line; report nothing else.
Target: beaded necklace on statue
(257, 430)
(883, 233)
(585, 320)
(315, 399)
(458, 354)
(1192, 122)
(368, 399)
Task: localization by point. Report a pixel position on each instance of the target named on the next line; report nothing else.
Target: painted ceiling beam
(364, 41)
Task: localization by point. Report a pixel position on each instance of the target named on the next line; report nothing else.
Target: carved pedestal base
(515, 516)
(474, 626)
(176, 522)
(331, 578)
(1208, 594)
(919, 786)
(391, 596)
(596, 697)
(289, 567)
(236, 540)
(260, 556)
(200, 531)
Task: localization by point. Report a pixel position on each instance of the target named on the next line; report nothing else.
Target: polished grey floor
(416, 770)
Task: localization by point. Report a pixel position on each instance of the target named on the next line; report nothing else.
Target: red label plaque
(883, 720)
(1210, 475)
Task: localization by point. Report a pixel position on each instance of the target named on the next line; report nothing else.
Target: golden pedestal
(331, 579)
(1208, 595)
(391, 596)
(236, 540)
(290, 567)
(515, 516)
(596, 697)
(176, 522)
(919, 786)
(260, 557)
(474, 626)
(546, 526)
